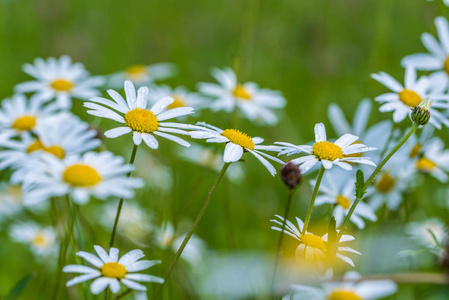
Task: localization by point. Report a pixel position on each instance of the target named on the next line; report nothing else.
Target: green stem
(195, 224)
(77, 225)
(312, 201)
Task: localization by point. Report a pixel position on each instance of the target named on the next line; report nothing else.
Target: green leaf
(16, 290)
(360, 184)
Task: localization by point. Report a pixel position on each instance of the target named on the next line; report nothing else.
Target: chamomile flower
(10, 200)
(254, 102)
(100, 175)
(430, 233)
(403, 98)
(183, 98)
(311, 246)
(41, 240)
(142, 122)
(142, 75)
(434, 161)
(352, 288)
(237, 143)
(111, 271)
(339, 153)
(339, 189)
(59, 79)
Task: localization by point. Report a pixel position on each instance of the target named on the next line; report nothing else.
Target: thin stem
(278, 252)
(120, 204)
(312, 201)
(77, 225)
(195, 224)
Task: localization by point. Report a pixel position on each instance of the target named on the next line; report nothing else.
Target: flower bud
(291, 175)
(420, 113)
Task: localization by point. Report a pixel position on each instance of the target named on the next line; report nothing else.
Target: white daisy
(237, 143)
(431, 233)
(352, 288)
(339, 189)
(255, 103)
(100, 175)
(59, 79)
(328, 153)
(42, 240)
(181, 95)
(111, 271)
(435, 160)
(10, 200)
(311, 246)
(142, 122)
(404, 98)
(142, 75)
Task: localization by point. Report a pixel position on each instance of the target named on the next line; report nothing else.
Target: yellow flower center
(313, 241)
(113, 270)
(141, 120)
(62, 85)
(446, 65)
(327, 150)
(385, 183)
(179, 102)
(24, 123)
(55, 150)
(415, 151)
(79, 175)
(239, 138)
(343, 201)
(136, 72)
(241, 93)
(341, 294)
(425, 164)
(410, 98)
(40, 240)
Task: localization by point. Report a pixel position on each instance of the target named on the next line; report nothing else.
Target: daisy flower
(10, 200)
(255, 103)
(339, 189)
(111, 271)
(339, 153)
(237, 143)
(352, 288)
(20, 115)
(142, 122)
(430, 233)
(182, 97)
(311, 246)
(59, 79)
(434, 160)
(42, 240)
(403, 98)
(100, 175)
(142, 75)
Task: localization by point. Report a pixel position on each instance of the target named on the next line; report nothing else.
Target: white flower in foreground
(42, 240)
(20, 115)
(237, 143)
(404, 98)
(111, 271)
(142, 75)
(183, 98)
(59, 79)
(435, 160)
(431, 233)
(100, 175)
(339, 189)
(339, 153)
(311, 246)
(142, 122)
(255, 103)
(352, 288)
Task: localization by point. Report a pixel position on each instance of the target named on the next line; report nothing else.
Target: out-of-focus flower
(237, 143)
(142, 122)
(10, 200)
(142, 75)
(430, 233)
(111, 271)
(41, 240)
(59, 79)
(182, 97)
(328, 153)
(156, 174)
(255, 103)
(435, 160)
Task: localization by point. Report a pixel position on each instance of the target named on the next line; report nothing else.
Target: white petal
(116, 132)
(137, 138)
(99, 285)
(232, 152)
(320, 132)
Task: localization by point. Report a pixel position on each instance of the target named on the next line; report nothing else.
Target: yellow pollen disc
(313, 241)
(239, 138)
(425, 164)
(24, 123)
(34, 146)
(385, 183)
(79, 175)
(55, 150)
(446, 65)
(39, 240)
(415, 151)
(136, 72)
(410, 98)
(341, 294)
(327, 150)
(113, 270)
(241, 93)
(62, 85)
(141, 120)
(177, 103)
(343, 201)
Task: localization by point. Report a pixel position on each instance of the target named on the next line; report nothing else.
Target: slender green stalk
(312, 201)
(195, 224)
(120, 204)
(77, 225)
